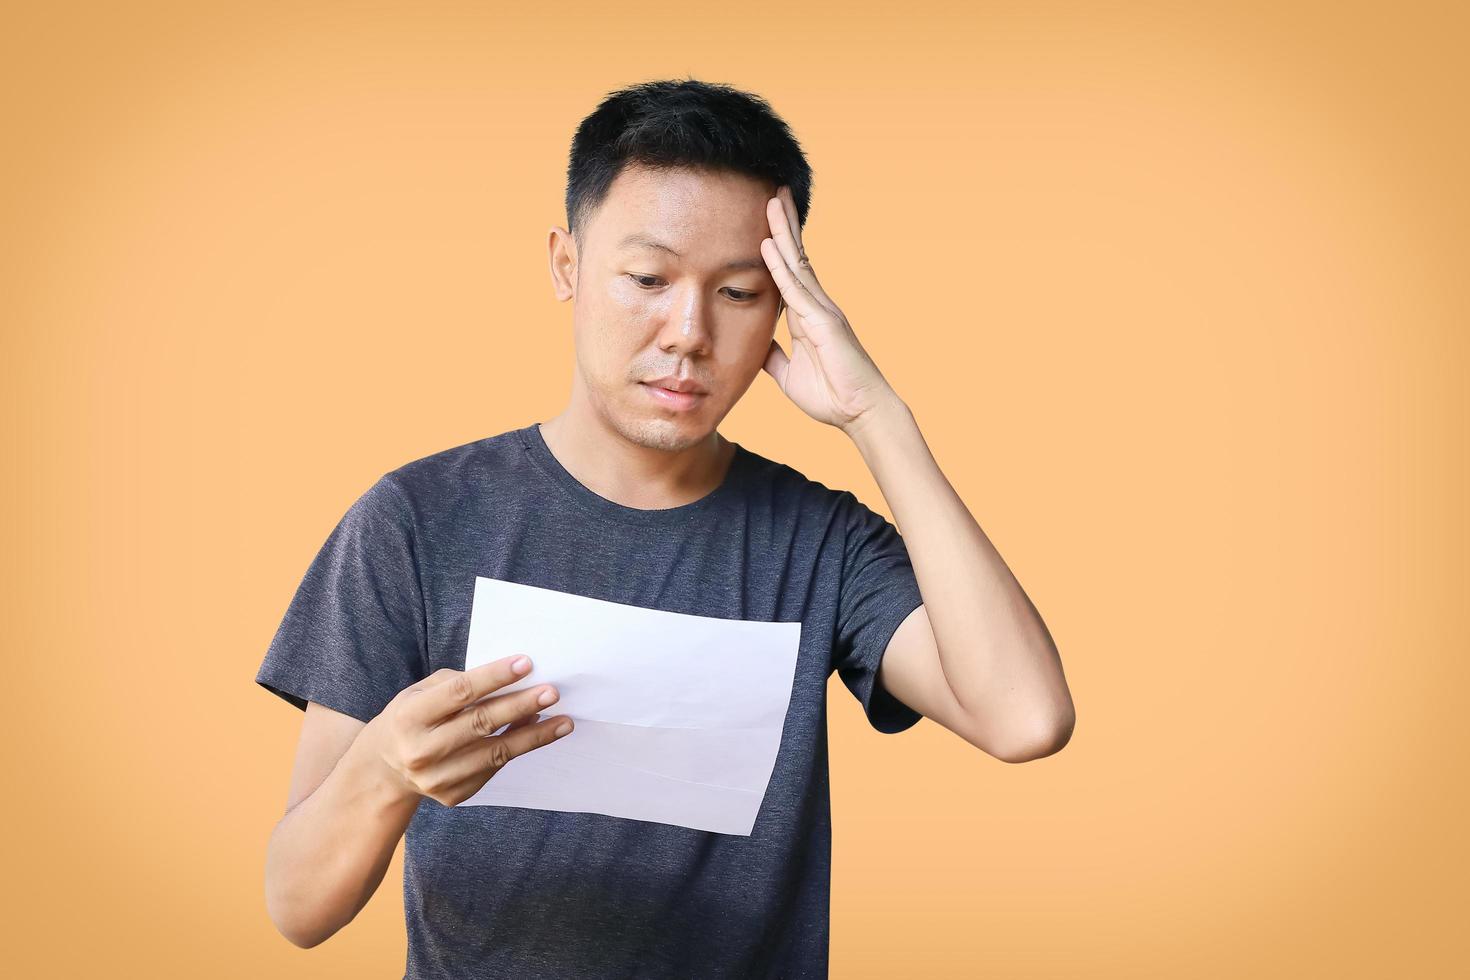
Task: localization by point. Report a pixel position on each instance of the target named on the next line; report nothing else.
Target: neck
(634, 474)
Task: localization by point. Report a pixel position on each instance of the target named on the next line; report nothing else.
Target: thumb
(776, 363)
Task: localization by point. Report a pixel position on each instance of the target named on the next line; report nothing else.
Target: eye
(741, 295)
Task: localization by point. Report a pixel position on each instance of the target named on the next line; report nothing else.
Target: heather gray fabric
(492, 891)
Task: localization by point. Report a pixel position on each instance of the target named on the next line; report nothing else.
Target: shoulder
(796, 490)
(437, 481)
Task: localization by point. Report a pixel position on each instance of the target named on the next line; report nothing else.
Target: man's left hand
(828, 375)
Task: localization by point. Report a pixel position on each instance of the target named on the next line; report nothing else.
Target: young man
(685, 202)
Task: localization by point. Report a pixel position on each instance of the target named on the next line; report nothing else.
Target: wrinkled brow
(639, 240)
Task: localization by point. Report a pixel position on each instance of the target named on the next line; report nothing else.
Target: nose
(686, 331)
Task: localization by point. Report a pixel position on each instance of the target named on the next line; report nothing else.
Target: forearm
(328, 855)
(996, 653)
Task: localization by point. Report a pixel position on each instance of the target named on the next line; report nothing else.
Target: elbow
(1048, 739)
(301, 940)
(300, 928)
(299, 934)
(295, 931)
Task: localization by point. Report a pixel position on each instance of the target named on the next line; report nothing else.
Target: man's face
(642, 312)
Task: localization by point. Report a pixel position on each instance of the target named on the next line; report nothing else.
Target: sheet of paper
(677, 718)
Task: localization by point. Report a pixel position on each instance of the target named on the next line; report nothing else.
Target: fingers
(521, 740)
(515, 742)
(434, 678)
(478, 721)
(786, 244)
(798, 298)
(793, 220)
(471, 767)
(436, 700)
(786, 233)
(522, 722)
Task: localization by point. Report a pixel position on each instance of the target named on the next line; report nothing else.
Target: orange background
(1177, 294)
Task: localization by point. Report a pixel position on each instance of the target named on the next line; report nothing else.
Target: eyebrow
(639, 240)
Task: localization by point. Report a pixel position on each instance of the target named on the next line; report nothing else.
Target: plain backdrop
(1176, 292)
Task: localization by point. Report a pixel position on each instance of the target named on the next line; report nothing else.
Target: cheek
(624, 296)
(759, 347)
(627, 298)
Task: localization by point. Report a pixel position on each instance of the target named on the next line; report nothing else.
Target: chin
(671, 433)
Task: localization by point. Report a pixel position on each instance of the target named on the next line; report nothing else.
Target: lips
(672, 383)
(679, 401)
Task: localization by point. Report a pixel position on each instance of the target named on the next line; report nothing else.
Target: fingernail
(547, 696)
(562, 729)
(520, 665)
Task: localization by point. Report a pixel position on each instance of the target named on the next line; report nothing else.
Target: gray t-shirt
(502, 891)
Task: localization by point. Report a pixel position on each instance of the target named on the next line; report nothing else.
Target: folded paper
(677, 718)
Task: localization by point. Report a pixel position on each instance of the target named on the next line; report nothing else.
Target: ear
(561, 249)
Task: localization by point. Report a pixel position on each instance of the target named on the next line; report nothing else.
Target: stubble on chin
(644, 428)
(652, 433)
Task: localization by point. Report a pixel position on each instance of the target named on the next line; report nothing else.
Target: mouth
(679, 401)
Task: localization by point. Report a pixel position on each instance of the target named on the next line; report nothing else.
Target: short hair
(673, 123)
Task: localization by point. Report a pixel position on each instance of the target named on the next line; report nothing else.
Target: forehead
(684, 207)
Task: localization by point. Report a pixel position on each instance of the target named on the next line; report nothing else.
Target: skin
(974, 657)
(640, 313)
(355, 787)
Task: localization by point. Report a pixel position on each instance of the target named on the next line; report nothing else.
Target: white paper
(677, 718)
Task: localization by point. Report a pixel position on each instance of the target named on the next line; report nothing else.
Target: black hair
(682, 123)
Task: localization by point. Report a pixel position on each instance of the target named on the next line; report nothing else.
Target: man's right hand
(433, 739)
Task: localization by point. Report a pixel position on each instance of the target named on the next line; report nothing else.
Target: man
(685, 203)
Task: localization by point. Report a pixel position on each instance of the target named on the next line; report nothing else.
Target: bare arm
(978, 659)
(329, 853)
(355, 787)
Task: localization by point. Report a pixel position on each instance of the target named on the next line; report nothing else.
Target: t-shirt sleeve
(353, 635)
(878, 591)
